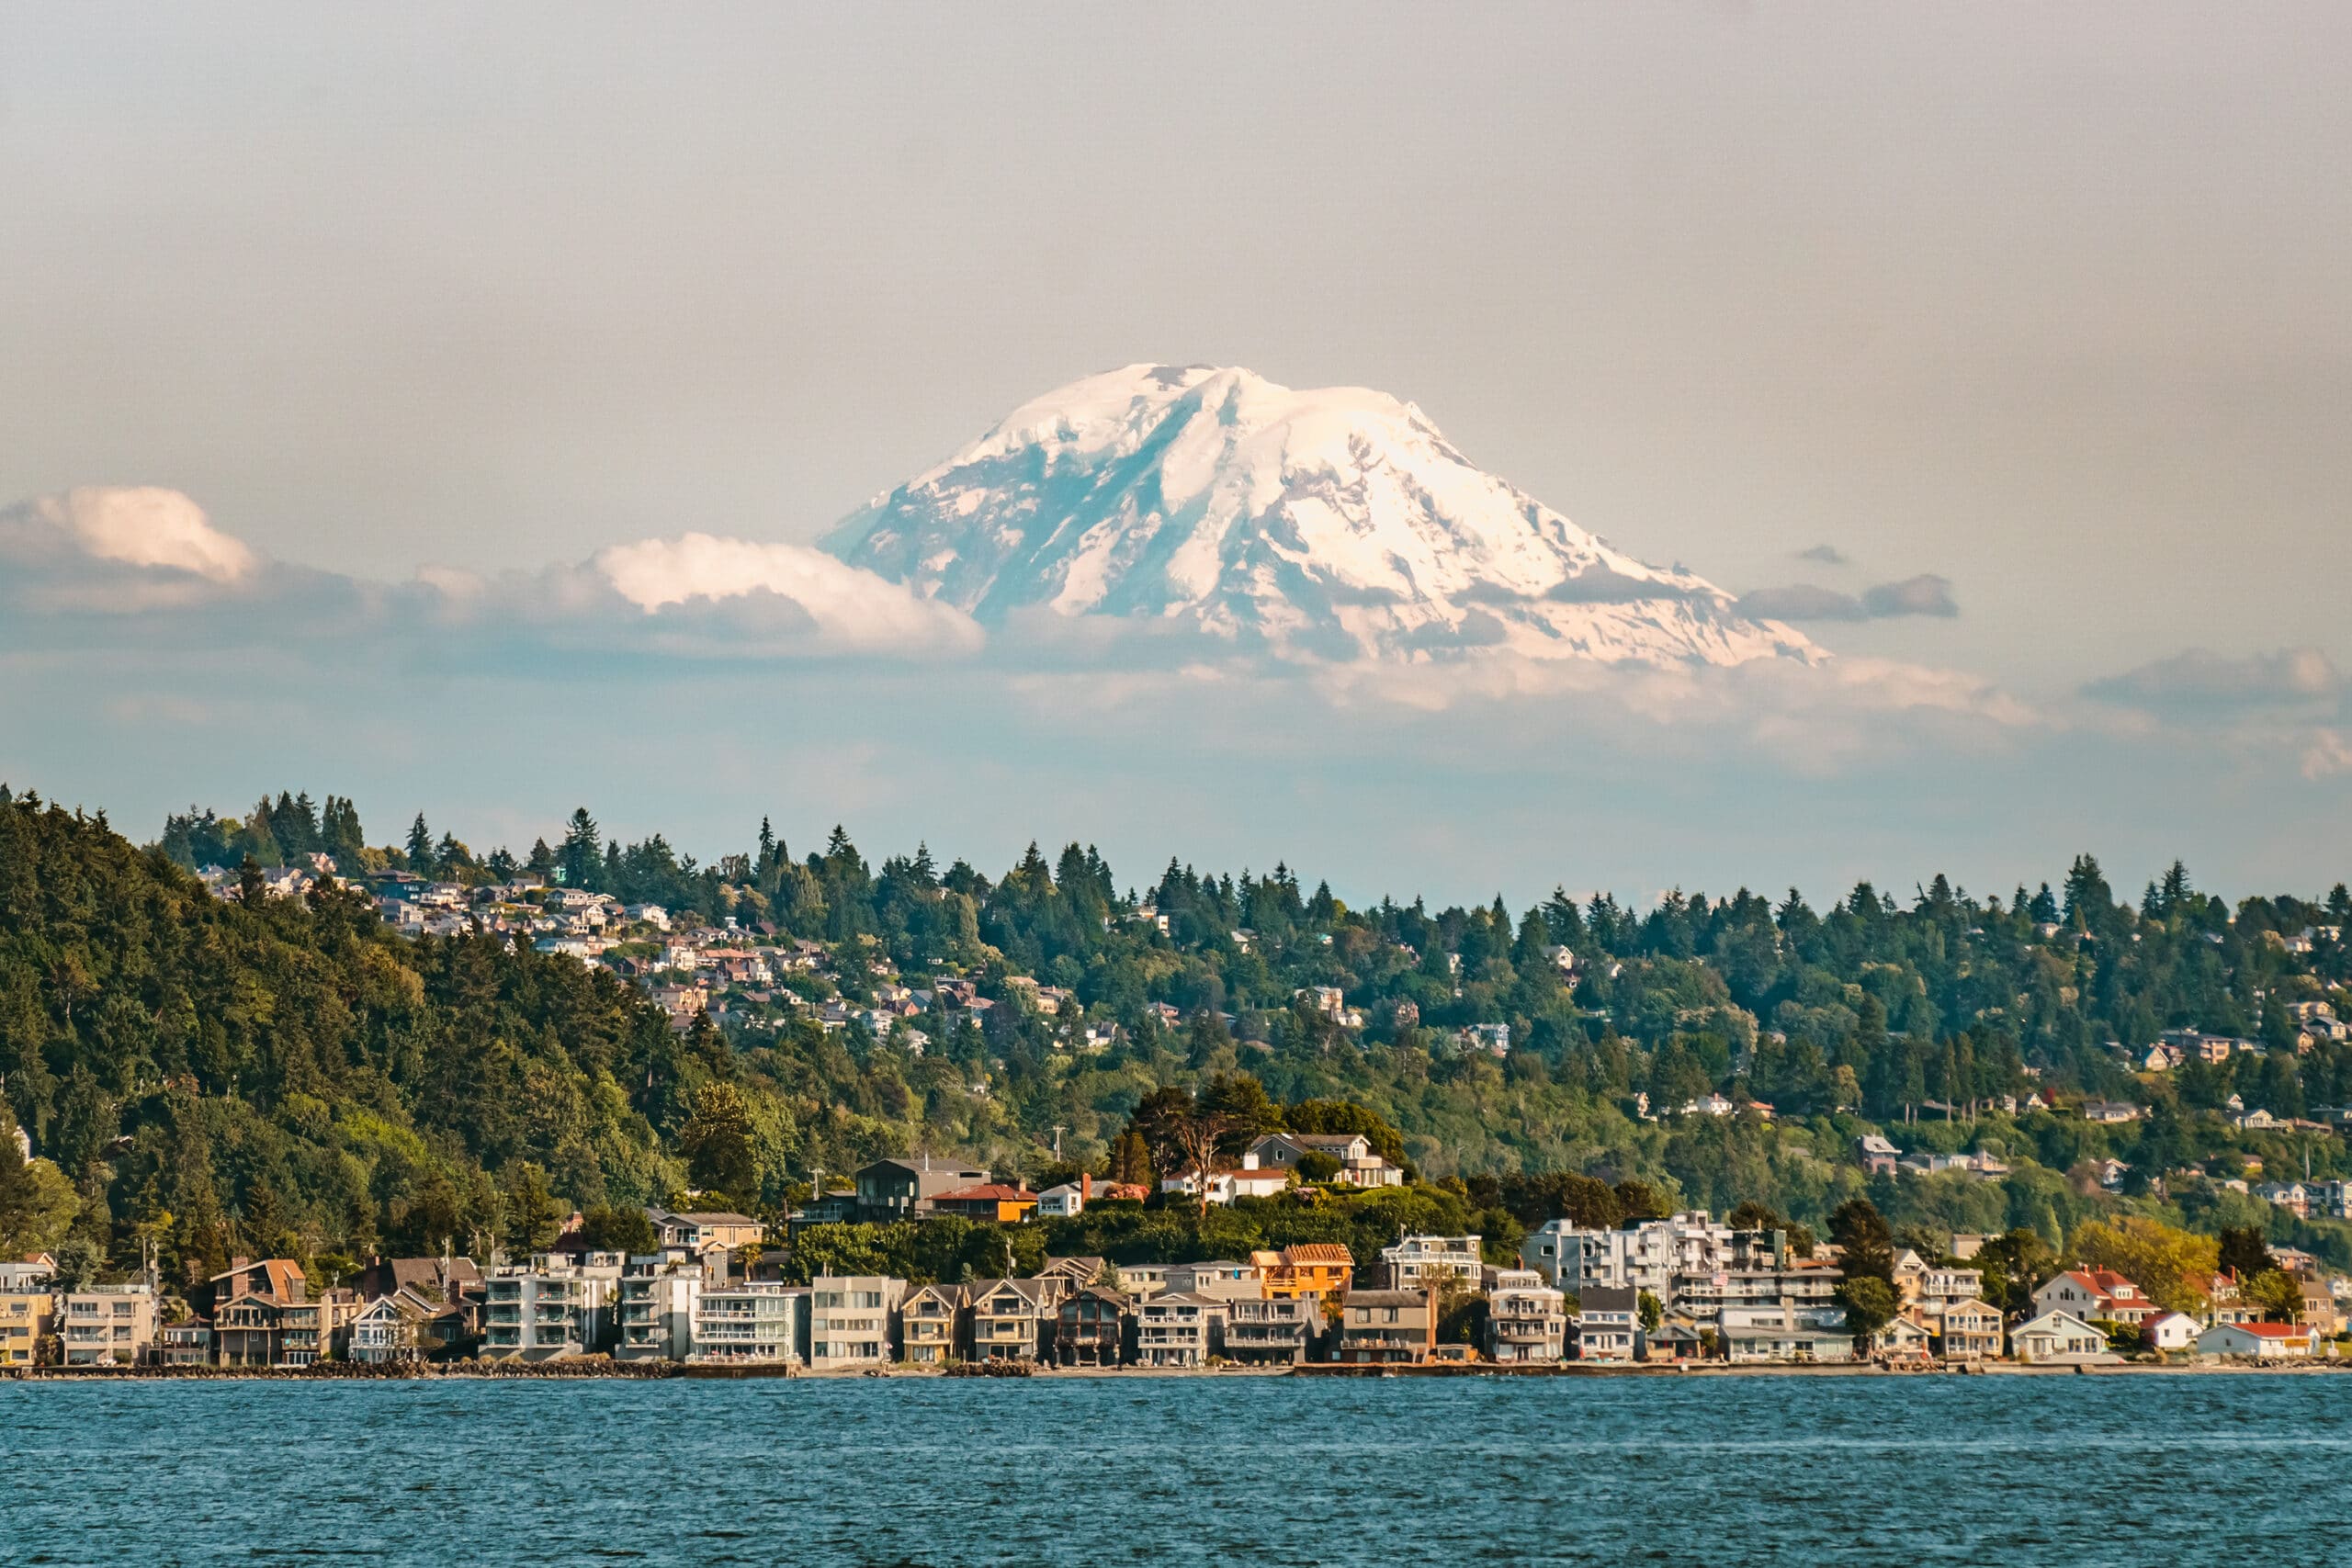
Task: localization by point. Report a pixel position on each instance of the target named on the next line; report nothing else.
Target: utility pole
(1057, 1143)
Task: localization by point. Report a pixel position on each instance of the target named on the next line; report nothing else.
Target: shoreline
(587, 1368)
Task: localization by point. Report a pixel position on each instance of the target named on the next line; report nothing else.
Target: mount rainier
(1331, 525)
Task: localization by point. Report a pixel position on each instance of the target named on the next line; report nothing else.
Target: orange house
(1322, 1269)
(989, 1201)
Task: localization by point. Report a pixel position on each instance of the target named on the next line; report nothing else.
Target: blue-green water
(2072, 1470)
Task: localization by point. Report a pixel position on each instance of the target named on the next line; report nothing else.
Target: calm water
(2062, 1471)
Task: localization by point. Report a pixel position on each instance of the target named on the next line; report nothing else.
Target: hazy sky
(2050, 302)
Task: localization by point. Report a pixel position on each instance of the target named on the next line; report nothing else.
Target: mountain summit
(1336, 524)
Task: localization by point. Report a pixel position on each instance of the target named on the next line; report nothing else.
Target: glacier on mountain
(1329, 524)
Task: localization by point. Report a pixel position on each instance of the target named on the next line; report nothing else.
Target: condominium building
(1650, 1256)
(657, 1310)
(748, 1323)
(853, 1320)
(110, 1327)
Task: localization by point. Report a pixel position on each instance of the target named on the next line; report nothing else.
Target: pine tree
(579, 862)
(420, 846)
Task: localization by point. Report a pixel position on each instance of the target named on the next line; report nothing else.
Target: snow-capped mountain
(1334, 524)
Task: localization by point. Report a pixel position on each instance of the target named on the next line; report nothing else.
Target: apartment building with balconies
(750, 1323)
(112, 1325)
(852, 1321)
(658, 1297)
(1526, 1319)
(556, 1305)
(27, 1318)
(1180, 1328)
(1273, 1330)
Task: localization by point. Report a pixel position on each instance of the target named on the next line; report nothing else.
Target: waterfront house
(1272, 1330)
(930, 1325)
(188, 1344)
(1753, 1334)
(2263, 1341)
(1526, 1319)
(853, 1320)
(1089, 1328)
(1968, 1331)
(245, 1330)
(2096, 1293)
(2057, 1336)
(2171, 1331)
(387, 1328)
(1179, 1328)
(1608, 1324)
(748, 1323)
(1906, 1338)
(1003, 1317)
(1380, 1326)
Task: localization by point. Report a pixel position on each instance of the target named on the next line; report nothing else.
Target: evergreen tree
(580, 862)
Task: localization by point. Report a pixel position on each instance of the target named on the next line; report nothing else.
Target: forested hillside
(221, 1075)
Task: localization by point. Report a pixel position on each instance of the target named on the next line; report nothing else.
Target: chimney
(240, 1263)
(1086, 1187)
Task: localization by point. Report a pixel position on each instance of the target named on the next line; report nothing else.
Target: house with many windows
(1003, 1319)
(1382, 1326)
(1180, 1328)
(930, 1325)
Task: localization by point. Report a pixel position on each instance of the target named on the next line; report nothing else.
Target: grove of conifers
(203, 1076)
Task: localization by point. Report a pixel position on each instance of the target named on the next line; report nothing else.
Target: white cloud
(143, 525)
(119, 549)
(849, 609)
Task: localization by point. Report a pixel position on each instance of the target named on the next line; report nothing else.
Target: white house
(2171, 1331)
(2266, 1341)
(1065, 1201)
(2059, 1337)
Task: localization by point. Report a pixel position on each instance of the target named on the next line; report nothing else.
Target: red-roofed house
(988, 1201)
(2096, 1293)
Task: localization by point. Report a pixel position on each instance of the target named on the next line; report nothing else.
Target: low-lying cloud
(2200, 679)
(1926, 594)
